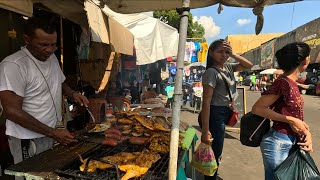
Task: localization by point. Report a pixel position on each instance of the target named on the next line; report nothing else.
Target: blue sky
(277, 18)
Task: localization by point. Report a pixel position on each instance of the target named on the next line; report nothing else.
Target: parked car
(307, 82)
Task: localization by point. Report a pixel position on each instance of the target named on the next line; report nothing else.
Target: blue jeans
(275, 148)
(219, 116)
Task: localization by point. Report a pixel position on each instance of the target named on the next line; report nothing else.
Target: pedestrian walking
(240, 80)
(253, 82)
(284, 98)
(257, 88)
(263, 82)
(216, 103)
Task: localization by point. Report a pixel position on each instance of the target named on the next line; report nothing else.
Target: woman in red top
(287, 115)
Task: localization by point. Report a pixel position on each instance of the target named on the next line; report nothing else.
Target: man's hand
(81, 99)
(63, 136)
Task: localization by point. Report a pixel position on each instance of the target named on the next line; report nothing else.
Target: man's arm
(12, 108)
(2, 118)
(67, 91)
(79, 98)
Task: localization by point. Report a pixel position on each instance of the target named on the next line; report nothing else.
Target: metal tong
(91, 115)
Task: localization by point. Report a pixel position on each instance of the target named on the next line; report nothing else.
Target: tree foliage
(172, 18)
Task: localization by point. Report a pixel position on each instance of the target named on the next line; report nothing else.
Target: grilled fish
(140, 166)
(145, 121)
(161, 124)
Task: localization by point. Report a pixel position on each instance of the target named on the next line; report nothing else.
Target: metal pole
(61, 43)
(174, 141)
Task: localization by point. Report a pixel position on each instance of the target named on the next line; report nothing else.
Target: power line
(294, 4)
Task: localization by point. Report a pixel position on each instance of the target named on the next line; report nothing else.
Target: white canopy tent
(153, 39)
(268, 71)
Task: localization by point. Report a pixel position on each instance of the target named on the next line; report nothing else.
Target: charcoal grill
(158, 171)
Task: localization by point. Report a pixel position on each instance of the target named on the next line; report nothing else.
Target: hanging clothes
(170, 91)
(187, 71)
(194, 53)
(188, 51)
(172, 73)
(202, 55)
(155, 73)
(186, 74)
(197, 50)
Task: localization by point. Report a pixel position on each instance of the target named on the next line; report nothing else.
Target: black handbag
(252, 129)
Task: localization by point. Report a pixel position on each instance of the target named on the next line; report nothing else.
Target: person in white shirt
(31, 87)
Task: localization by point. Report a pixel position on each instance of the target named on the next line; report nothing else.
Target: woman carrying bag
(217, 79)
(284, 98)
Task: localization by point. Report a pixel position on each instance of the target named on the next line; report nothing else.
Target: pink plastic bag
(204, 161)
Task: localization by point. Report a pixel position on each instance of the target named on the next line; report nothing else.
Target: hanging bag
(203, 160)
(252, 129)
(299, 165)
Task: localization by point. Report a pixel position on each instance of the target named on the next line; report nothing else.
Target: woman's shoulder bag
(233, 120)
(252, 129)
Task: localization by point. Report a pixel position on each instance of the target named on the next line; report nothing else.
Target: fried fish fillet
(126, 121)
(145, 121)
(161, 124)
(132, 171)
(140, 166)
(120, 158)
(134, 164)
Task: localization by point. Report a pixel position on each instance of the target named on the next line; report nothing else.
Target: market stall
(98, 149)
(96, 61)
(131, 6)
(128, 145)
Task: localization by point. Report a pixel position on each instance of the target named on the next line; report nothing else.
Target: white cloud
(195, 18)
(243, 22)
(210, 27)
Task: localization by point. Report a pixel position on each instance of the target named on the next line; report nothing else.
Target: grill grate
(158, 171)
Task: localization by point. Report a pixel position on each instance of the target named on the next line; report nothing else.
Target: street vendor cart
(94, 156)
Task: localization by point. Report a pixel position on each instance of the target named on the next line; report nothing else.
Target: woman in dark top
(284, 98)
(216, 102)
